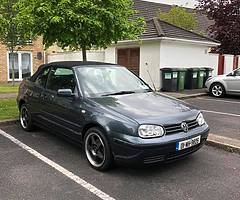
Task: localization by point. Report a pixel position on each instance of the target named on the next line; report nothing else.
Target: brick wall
(35, 47)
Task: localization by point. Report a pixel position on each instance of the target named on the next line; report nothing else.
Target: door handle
(29, 92)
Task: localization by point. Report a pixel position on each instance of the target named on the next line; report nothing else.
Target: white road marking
(225, 101)
(221, 113)
(59, 168)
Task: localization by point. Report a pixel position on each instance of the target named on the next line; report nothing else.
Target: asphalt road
(222, 114)
(209, 174)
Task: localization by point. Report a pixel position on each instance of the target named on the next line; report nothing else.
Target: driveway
(24, 174)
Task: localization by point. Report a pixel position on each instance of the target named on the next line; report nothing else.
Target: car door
(35, 89)
(233, 81)
(63, 113)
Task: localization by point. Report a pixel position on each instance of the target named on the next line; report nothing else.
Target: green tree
(83, 24)
(180, 17)
(14, 28)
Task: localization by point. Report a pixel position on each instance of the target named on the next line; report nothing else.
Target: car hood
(149, 108)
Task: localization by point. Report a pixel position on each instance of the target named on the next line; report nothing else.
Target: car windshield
(109, 80)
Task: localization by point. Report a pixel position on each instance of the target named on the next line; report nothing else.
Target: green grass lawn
(8, 109)
(8, 88)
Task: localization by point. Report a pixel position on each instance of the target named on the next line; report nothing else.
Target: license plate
(188, 143)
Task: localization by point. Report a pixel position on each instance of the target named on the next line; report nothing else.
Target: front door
(63, 113)
(129, 58)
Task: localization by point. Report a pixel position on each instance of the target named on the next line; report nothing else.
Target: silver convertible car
(221, 85)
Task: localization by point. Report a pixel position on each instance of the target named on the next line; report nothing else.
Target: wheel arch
(20, 103)
(92, 125)
(218, 82)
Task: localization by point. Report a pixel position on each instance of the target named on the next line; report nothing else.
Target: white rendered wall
(110, 55)
(177, 54)
(150, 61)
(76, 56)
(228, 65)
(153, 56)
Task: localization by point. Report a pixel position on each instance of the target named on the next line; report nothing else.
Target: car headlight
(200, 119)
(151, 131)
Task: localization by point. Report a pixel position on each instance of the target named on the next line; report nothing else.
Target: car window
(237, 72)
(42, 77)
(106, 80)
(61, 78)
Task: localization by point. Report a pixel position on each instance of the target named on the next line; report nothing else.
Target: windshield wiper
(119, 93)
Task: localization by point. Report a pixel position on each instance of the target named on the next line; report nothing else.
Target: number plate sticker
(188, 143)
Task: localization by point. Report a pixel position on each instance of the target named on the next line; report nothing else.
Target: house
(149, 10)
(161, 45)
(26, 61)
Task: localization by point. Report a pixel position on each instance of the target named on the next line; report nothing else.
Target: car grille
(175, 128)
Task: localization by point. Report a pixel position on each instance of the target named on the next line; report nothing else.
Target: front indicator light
(200, 119)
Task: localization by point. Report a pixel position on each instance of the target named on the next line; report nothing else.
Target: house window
(22, 65)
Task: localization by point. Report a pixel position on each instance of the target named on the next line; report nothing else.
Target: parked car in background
(219, 86)
(110, 111)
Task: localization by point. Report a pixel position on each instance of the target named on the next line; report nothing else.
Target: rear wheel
(25, 118)
(97, 150)
(217, 90)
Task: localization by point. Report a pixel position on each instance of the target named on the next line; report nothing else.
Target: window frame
(236, 72)
(78, 94)
(19, 53)
(37, 75)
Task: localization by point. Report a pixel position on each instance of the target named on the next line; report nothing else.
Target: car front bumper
(149, 151)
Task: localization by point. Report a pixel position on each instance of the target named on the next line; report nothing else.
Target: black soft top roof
(70, 64)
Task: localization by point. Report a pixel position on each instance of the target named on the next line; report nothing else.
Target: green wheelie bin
(200, 78)
(208, 74)
(169, 79)
(191, 79)
(181, 78)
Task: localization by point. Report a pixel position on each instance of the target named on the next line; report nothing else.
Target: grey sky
(186, 3)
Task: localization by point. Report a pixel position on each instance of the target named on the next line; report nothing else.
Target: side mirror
(65, 93)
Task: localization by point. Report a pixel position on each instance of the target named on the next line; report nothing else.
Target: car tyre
(25, 117)
(97, 149)
(217, 90)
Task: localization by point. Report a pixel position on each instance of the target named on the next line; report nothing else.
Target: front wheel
(97, 149)
(25, 118)
(217, 90)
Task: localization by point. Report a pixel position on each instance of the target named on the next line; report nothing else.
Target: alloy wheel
(95, 149)
(217, 90)
(24, 117)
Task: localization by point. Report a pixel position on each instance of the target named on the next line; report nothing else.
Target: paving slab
(8, 95)
(186, 94)
(226, 143)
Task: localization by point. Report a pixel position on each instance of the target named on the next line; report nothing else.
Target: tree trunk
(13, 73)
(84, 54)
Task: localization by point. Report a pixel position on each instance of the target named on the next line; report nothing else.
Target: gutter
(169, 39)
(191, 41)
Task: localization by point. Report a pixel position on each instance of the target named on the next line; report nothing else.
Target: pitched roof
(158, 28)
(149, 10)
